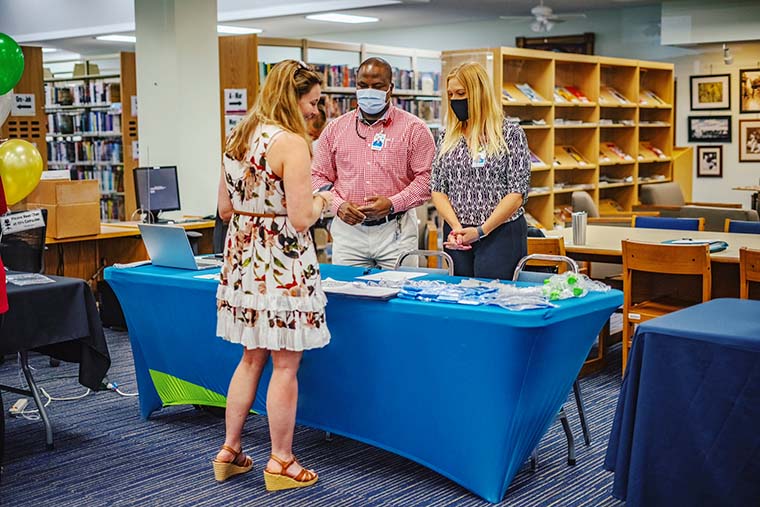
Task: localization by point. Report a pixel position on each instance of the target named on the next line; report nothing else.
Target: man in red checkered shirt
(378, 158)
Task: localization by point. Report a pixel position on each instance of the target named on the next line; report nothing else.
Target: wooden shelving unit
(241, 60)
(626, 108)
(95, 137)
(30, 128)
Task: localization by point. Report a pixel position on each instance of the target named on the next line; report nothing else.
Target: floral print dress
(269, 293)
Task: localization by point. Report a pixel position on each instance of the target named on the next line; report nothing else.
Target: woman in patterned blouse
(480, 179)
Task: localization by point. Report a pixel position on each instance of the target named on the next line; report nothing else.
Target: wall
(710, 61)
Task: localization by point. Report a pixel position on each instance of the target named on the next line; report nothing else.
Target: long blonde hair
(277, 104)
(485, 116)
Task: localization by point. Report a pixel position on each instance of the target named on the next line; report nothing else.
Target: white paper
(367, 291)
(230, 120)
(393, 276)
(23, 104)
(210, 276)
(23, 221)
(28, 279)
(689, 241)
(60, 174)
(235, 100)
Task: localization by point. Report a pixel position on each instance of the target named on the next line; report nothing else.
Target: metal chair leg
(581, 412)
(569, 436)
(328, 436)
(534, 460)
(37, 399)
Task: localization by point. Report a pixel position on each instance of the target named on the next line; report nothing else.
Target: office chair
(220, 232)
(672, 223)
(523, 275)
(742, 226)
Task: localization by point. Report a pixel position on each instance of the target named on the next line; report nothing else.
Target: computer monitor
(156, 189)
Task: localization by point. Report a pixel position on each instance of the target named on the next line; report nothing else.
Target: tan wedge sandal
(223, 470)
(281, 480)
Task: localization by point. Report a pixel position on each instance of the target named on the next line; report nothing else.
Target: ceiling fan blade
(567, 15)
(517, 18)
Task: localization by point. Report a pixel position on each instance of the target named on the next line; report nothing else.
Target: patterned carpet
(106, 456)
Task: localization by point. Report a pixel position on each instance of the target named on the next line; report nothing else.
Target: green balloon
(11, 63)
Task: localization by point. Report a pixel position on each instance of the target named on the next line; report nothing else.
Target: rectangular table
(604, 244)
(686, 427)
(466, 391)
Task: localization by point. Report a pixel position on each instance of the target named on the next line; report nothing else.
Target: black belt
(384, 220)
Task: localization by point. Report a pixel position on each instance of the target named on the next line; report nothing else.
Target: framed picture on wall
(710, 93)
(749, 90)
(710, 161)
(749, 140)
(711, 129)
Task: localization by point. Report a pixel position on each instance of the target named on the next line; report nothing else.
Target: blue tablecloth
(466, 391)
(687, 427)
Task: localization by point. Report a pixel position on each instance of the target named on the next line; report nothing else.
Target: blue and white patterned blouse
(474, 192)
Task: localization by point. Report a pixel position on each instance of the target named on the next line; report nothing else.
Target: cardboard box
(52, 192)
(71, 220)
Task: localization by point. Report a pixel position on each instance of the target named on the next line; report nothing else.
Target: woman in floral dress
(269, 297)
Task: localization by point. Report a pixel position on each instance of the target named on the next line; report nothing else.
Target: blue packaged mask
(371, 101)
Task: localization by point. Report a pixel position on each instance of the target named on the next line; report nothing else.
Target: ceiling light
(237, 30)
(334, 17)
(117, 38)
(49, 50)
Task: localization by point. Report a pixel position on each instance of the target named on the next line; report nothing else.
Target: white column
(178, 95)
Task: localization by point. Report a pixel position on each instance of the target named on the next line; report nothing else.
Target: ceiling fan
(543, 17)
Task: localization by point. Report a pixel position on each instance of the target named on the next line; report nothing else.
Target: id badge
(480, 160)
(378, 141)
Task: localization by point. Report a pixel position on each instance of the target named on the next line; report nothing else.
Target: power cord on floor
(113, 386)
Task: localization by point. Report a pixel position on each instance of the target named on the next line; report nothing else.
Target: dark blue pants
(494, 256)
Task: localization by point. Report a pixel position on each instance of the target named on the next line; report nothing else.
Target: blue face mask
(371, 101)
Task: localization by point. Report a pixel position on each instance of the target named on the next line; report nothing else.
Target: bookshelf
(599, 124)
(29, 128)
(416, 72)
(92, 127)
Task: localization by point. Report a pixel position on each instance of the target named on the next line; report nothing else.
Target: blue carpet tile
(105, 455)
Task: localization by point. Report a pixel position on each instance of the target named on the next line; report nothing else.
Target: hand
(454, 242)
(350, 214)
(466, 236)
(376, 207)
(328, 198)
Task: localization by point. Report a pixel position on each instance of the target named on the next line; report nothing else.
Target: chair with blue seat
(742, 226)
(523, 274)
(678, 224)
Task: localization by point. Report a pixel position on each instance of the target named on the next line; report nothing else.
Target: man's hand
(376, 207)
(350, 214)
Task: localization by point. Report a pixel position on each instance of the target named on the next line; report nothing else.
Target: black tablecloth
(60, 320)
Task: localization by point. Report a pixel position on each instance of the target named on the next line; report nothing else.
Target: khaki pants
(375, 245)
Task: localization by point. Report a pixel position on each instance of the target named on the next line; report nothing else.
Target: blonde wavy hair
(276, 104)
(485, 123)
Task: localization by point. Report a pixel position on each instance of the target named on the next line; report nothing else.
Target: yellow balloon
(20, 169)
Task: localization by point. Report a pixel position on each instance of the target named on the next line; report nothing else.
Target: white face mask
(371, 101)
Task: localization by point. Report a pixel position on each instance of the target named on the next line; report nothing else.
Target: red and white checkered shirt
(399, 171)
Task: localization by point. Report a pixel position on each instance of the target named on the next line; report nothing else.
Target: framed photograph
(749, 90)
(711, 129)
(710, 93)
(749, 140)
(709, 161)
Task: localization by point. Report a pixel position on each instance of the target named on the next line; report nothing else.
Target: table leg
(37, 399)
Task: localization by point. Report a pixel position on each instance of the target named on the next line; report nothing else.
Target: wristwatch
(391, 210)
(481, 234)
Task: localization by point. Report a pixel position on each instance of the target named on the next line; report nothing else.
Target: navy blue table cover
(466, 391)
(687, 426)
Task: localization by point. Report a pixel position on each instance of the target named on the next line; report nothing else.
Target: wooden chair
(742, 226)
(749, 270)
(678, 224)
(663, 260)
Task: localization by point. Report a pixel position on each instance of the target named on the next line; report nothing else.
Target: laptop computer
(168, 246)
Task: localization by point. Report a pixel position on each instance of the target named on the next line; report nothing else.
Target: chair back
(742, 226)
(547, 246)
(667, 260)
(663, 194)
(749, 269)
(678, 224)
(24, 250)
(220, 233)
(582, 201)
(427, 254)
(522, 275)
